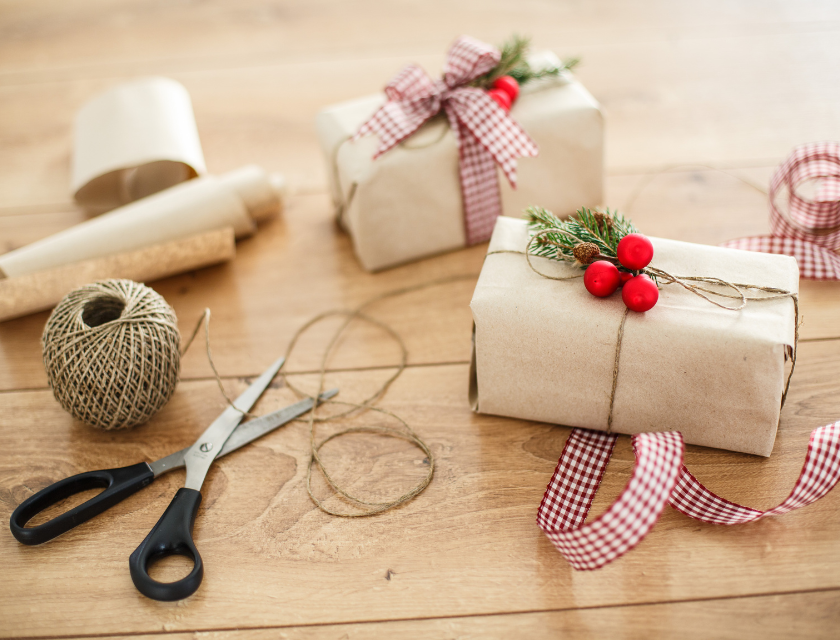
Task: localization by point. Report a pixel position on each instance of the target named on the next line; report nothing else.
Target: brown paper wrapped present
(407, 204)
(545, 350)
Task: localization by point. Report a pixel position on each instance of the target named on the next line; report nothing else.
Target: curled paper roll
(238, 199)
(182, 228)
(134, 140)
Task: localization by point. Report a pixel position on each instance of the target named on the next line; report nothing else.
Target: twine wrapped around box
(672, 358)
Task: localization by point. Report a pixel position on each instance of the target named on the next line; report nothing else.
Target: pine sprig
(526, 74)
(603, 230)
(514, 62)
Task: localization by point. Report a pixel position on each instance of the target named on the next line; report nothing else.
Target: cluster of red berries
(638, 292)
(504, 92)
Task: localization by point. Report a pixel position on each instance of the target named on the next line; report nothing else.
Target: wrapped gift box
(544, 350)
(406, 204)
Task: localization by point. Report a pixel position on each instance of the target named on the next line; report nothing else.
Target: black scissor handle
(118, 483)
(171, 536)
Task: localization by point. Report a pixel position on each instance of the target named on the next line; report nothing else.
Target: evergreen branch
(604, 230)
(514, 63)
(526, 73)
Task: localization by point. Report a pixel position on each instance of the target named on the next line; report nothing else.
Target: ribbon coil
(808, 228)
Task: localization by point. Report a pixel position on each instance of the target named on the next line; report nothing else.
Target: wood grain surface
(697, 96)
(800, 615)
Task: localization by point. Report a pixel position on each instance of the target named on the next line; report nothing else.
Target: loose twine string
(688, 283)
(404, 432)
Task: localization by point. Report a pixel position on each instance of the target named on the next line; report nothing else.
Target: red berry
(634, 251)
(509, 85)
(601, 278)
(640, 293)
(502, 97)
(624, 276)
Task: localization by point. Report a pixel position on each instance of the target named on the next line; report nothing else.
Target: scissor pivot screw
(206, 446)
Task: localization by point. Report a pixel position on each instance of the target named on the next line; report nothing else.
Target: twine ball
(111, 353)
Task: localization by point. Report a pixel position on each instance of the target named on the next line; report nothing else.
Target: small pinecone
(586, 252)
(603, 220)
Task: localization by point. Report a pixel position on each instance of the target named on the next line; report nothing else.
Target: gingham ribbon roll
(659, 478)
(486, 135)
(804, 226)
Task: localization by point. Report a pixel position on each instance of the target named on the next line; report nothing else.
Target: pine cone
(603, 220)
(586, 252)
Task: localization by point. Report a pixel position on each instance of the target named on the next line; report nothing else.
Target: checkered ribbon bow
(659, 478)
(486, 135)
(808, 227)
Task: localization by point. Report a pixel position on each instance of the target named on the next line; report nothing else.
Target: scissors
(172, 535)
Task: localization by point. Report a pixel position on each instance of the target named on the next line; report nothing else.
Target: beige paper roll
(33, 292)
(237, 199)
(134, 140)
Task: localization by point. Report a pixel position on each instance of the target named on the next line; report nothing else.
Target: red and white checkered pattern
(806, 228)
(570, 492)
(815, 262)
(659, 477)
(819, 474)
(486, 135)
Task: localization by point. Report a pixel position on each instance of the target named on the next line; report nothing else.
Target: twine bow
(808, 228)
(485, 134)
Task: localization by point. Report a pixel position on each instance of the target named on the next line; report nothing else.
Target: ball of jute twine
(111, 353)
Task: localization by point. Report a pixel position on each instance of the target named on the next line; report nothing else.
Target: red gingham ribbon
(486, 135)
(659, 477)
(807, 228)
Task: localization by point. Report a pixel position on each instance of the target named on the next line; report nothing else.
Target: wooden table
(734, 85)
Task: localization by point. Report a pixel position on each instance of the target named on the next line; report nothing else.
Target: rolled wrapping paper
(42, 290)
(182, 228)
(238, 199)
(134, 140)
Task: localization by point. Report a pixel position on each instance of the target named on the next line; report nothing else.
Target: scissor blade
(201, 454)
(258, 427)
(244, 433)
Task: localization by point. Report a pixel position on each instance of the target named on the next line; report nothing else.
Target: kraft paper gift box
(544, 350)
(406, 204)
